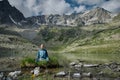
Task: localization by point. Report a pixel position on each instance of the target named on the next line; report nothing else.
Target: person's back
(42, 54)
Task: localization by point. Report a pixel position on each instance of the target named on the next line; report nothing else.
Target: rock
(14, 74)
(100, 73)
(1, 75)
(12, 58)
(36, 71)
(76, 75)
(90, 65)
(117, 69)
(4, 77)
(7, 78)
(78, 65)
(72, 63)
(18, 72)
(106, 64)
(113, 65)
(94, 79)
(61, 74)
(32, 71)
(87, 74)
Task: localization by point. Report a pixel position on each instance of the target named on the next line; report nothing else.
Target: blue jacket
(42, 55)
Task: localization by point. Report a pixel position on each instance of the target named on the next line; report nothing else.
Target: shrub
(30, 62)
(53, 62)
(42, 63)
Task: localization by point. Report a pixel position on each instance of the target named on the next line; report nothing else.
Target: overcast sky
(37, 7)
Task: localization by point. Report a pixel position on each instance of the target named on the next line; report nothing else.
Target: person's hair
(42, 46)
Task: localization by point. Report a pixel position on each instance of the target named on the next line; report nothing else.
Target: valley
(90, 37)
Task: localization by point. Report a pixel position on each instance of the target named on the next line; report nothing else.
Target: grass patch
(30, 62)
(101, 53)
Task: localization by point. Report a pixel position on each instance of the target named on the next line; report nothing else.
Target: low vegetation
(30, 62)
(102, 46)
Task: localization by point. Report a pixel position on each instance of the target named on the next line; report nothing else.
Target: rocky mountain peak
(100, 11)
(99, 8)
(96, 15)
(9, 14)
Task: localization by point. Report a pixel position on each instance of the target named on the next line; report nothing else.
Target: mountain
(9, 14)
(97, 15)
(94, 16)
(117, 17)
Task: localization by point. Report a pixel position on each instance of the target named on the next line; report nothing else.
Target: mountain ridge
(11, 15)
(95, 16)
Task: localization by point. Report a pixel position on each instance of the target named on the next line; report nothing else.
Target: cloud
(34, 7)
(81, 8)
(55, 7)
(22, 6)
(46, 7)
(112, 5)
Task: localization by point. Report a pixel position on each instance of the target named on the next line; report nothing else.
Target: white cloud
(22, 6)
(79, 9)
(112, 5)
(55, 7)
(34, 7)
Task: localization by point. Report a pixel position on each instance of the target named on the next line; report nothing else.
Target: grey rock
(12, 58)
(76, 75)
(1, 74)
(14, 74)
(101, 73)
(90, 65)
(36, 71)
(94, 79)
(73, 64)
(78, 65)
(61, 74)
(113, 65)
(87, 74)
(117, 69)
